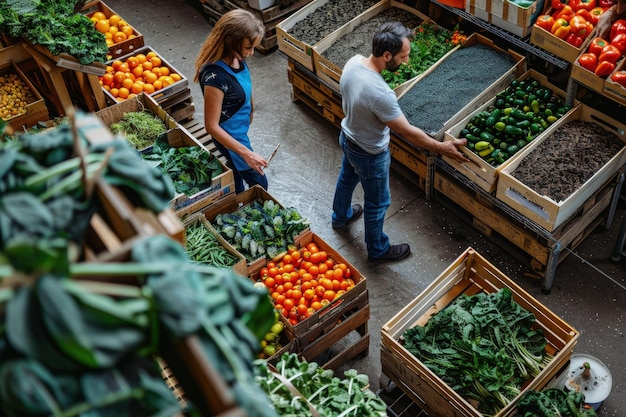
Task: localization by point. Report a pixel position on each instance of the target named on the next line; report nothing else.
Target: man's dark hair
(389, 38)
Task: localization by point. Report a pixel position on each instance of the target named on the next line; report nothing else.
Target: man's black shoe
(357, 211)
(394, 253)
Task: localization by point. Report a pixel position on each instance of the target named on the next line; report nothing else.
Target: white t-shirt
(368, 102)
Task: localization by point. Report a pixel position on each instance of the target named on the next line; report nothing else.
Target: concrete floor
(589, 291)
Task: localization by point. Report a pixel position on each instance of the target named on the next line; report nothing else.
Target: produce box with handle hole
(330, 72)
(221, 184)
(231, 204)
(329, 322)
(297, 49)
(481, 172)
(20, 112)
(542, 209)
(132, 40)
(457, 106)
(168, 82)
(469, 274)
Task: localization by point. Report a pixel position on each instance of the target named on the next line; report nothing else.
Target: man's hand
(603, 28)
(451, 149)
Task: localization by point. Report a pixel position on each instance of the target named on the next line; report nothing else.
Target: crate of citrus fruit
(120, 36)
(142, 71)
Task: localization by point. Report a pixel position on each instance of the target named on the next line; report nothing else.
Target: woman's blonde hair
(228, 35)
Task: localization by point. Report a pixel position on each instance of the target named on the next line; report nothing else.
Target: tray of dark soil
(461, 83)
(564, 167)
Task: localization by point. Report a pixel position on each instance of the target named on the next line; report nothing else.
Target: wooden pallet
(496, 220)
(197, 130)
(270, 17)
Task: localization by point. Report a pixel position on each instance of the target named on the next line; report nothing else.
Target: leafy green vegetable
(431, 42)
(320, 389)
(56, 26)
(483, 346)
(191, 168)
(553, 402)
(141, 128)
(260, 228)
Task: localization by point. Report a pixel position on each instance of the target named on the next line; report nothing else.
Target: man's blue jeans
(372, 171)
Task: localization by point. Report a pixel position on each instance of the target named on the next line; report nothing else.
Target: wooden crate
(469, 274)
(547, 41)
(518, 20)
(159, 95)
(331, 325)
(543, 210)
(415, 159)
(114, 113)
(516, 71)
(180, 105)
(241, 267)
(329, 71)
(478, 170)
(613, 90)
(294, 48)
(231, 203)
(541, 250)
(36, 110)
(222, 185)
(121, 48)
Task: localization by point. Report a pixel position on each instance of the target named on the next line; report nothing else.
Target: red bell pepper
(605, 3)
(596, 46)
(594, 14)
(610, 53)
(619, 77)
(545, 21)
(619, 41)
(574, 40)
(584, 13)
(604, 69)
(558, 4)
(619, 26)
(588, 61)
(582, 4)
(578, 25)
(560, 29)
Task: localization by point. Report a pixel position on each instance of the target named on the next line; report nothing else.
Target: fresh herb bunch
(55, 25)
(141, 128)
(483, 346)
(431, 42)
(553, 402)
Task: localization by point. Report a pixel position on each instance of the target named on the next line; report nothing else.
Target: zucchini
(513, 130)
(486, 136)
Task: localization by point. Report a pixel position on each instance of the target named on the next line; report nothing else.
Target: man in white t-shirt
(371, 110)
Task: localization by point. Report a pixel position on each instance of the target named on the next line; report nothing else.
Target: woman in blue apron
(225, 80)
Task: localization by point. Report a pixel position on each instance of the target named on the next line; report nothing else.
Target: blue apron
(239, 123)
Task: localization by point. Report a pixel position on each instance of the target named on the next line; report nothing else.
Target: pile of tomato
(305, 280)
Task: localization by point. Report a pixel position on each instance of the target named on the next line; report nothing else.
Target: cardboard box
(586, 78)
(547, 41)
(478, 170)
(613, 90)
(163, 93)
(221, 185)
(36, 109)
(120, 48)
(498, 85)
(296, 49)
(469, 274)
(330, 72)
(541, 209)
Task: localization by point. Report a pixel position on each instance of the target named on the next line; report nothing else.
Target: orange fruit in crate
(123, 92)
(127, 83)
(176, 77)
(151, 54)
(98, 15)
(150, 77)
(147, 65)
(126, 30)
(165, 71)
(119, 37)
(107, 79)
(138, 71)
(156, 61)
(119, 77)
(114, 91)
(114, 19)
(157, 85)
(137, 87)
(132, 62)
(102, 26)
(142, 58)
